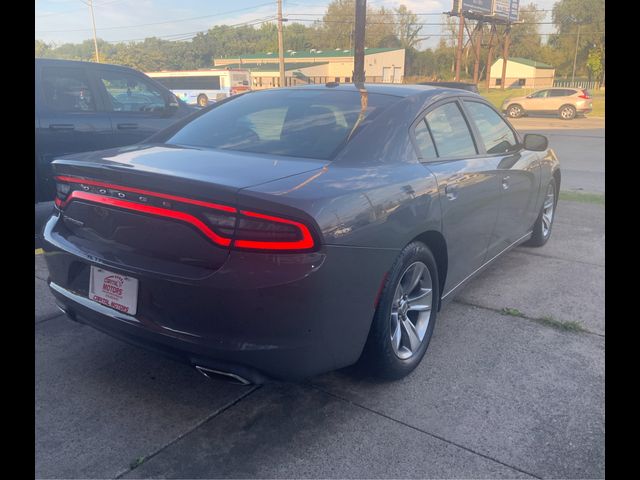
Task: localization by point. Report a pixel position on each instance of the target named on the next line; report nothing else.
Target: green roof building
(319, 66)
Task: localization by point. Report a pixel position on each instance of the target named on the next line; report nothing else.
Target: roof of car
(397, 89)
(76, 63)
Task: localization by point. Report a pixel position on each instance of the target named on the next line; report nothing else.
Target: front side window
(67, 90)
(540, 94)
(450, 131)
(494, 131)
(130, 93)
(298, 123)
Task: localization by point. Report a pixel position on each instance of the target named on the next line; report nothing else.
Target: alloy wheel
(567, 113)
(548, 210)
(411, 310)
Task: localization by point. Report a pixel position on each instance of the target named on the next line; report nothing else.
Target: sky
(69, 21)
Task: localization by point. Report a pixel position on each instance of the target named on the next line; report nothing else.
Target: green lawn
(496, 97)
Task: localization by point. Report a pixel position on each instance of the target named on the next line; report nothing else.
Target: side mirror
(535, 142)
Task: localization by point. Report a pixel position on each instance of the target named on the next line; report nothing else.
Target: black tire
(515, 111)
(541, 234)
(203, 100)
(378, 357)
(567, 112)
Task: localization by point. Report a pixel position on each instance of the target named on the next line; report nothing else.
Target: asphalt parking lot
(512, 385)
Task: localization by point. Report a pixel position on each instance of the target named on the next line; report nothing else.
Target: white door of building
(397, 75)
(387, 74)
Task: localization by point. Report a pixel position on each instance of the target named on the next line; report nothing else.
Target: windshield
(299, 123)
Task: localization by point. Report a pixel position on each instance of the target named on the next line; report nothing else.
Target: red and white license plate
(113, 290)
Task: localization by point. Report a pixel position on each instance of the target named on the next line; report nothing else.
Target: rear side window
(424, 141)
(67, 90)
(494, 131)
(450, 131)
(298, 123)
(561, 93)
(131, 93)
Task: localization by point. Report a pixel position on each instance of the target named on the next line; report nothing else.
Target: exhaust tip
(220, 375)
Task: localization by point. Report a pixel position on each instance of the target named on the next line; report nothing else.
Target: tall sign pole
(459, 51)
(95, 39)
(505, 54)
(280, 45)
(476, 65)
(490, 55)
(358, 41)
(575, 57)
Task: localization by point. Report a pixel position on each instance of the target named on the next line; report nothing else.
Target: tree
(568, 16)
(525, 41)
(407, 28)
(595, 63)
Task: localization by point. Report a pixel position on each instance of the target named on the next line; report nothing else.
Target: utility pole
(459, 51)
(358, 41)
(490, 56)
(575, 56)
(280, 45)
(95, 39)
(505, 55)
(476, 64)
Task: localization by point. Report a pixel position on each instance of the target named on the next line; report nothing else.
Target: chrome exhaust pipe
(220, 375)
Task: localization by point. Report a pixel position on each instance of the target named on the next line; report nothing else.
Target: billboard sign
(506, 9)
(477, 6)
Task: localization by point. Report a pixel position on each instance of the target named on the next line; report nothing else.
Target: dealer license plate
(113, 290)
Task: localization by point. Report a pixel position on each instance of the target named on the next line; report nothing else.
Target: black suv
(83, 106)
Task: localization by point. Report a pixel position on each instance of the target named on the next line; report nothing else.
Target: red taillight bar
(139, 207)
(305, 243)
(175, 198)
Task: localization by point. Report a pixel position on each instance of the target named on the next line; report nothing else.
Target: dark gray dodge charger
(284, 233)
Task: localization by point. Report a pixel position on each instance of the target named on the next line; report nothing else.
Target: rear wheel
(567, 112)
(405, 318)
(515, 111)
(544, 223)
(203, 100)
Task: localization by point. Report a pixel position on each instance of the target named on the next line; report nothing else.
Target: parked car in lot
(564, 102)
(289, 232)
(83, 106)
(471, 87)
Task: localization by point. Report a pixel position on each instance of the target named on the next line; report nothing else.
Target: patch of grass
(513, 312)
(595, 198)
(548, 320)
(136, 463)
(567, 326)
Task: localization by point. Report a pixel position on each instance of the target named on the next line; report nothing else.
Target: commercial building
(382, 65)
(522, 73)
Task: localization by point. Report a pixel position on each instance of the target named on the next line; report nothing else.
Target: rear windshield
(298, 123)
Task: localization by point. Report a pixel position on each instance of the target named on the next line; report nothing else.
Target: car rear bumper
(286, 316)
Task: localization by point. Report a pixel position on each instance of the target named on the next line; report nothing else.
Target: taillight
(266, 232)
(224, 225)
(585, 95)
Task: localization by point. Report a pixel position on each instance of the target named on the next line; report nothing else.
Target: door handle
(451, 191)
(505, 182)
(62, 126)
(127, 126)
